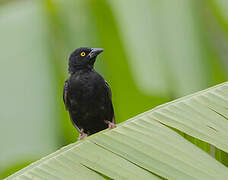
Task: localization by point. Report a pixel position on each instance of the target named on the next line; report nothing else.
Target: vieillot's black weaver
(86, 95)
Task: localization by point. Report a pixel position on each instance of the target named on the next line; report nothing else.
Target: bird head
(83, 58)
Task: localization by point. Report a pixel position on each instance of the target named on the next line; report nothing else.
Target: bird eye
(83, 53)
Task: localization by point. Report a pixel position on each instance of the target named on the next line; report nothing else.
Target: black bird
(86, 95)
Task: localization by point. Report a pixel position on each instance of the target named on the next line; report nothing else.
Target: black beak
(94, 52)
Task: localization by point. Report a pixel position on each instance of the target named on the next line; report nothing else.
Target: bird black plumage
(86, 95)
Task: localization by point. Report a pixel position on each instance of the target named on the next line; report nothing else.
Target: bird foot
(82, 135)
(110, 124)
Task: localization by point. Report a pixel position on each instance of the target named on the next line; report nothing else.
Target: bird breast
(87, 87)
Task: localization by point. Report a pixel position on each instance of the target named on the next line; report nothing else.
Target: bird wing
(110, 98)
(67, 103)
(65, 93)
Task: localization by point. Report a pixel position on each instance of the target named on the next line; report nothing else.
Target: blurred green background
(155, 51)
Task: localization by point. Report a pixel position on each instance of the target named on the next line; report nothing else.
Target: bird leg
(82, 134)
(111, 125)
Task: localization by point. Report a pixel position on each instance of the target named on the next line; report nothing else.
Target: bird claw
(110, 124)
(82, 135)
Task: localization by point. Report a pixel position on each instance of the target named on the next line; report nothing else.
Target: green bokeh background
(155, 51)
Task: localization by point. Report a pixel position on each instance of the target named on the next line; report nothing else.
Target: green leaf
(27, 87)
(148, 146)
(160, 37)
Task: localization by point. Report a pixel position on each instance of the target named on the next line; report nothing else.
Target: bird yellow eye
(83, 53)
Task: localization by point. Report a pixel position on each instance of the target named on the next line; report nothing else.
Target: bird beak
(95, 52)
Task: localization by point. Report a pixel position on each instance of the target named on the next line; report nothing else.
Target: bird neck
(74, 69)
(81, 70)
